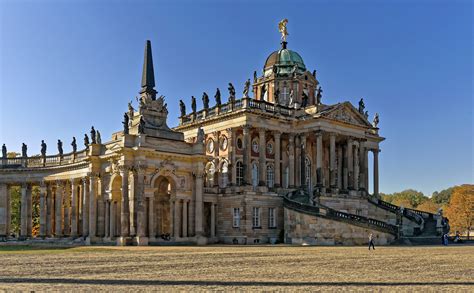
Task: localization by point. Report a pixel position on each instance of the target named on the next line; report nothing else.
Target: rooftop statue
(314, 73)
(200, 135)
(93, 137)
(60, 147)
(217, 96)
(193, 104)
(205, 100)
(255, 76)
(375, 123)
(282, 29)
(182, 108)
(131, 111)
(43, 148)
(125, 123)
(99, 139)
(304, 100)
(141, 126)
(231, 93)
(319, 95)
(246, 88)
(74, 144)
(86, 141)
(4, 151)
(361, 106)
(24, 149)
(366, 115)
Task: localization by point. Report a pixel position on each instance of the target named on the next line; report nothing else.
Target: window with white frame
(236, 218)
(239, 173)
(271, 218)
(270, 176)
(256, 218)
(224, 174)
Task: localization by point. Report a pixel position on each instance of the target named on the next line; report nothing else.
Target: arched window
(210, 173)
(307, 172)
(224, 174)
(254, 174)
(270, 176)
(239, 173)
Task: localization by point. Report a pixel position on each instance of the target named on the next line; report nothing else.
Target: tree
(409, 198)
(460, 211)
(442, 197)
(428, 206)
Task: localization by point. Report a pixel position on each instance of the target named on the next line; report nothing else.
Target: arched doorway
(115, 206)
(163, 219)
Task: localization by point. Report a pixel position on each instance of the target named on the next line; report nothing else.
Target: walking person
(371, 241)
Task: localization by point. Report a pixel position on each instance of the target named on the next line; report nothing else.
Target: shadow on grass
(219, 283)
(21, 248)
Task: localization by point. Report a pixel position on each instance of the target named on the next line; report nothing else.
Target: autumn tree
(460, 210)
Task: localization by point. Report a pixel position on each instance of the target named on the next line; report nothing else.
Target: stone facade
(226, 174)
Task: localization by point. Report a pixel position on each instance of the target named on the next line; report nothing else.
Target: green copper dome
(284, 61)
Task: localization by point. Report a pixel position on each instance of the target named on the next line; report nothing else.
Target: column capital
(276, 133)
(262, 130)
(318, 132)
(60, 183)
(246, 127)
(332, 134)
(123, 168)
(140, 167)
(376, 151)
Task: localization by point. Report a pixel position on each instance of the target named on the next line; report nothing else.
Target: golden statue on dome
(282, 28)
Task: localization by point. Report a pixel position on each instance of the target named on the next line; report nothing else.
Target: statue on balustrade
(74, 145)
(254, 76)
(24, 150)
(319, 95)
(217, 96)
(304, 100)
(361, 106)
(276, 97)
(141, 126)
(205, 101)
(86, 141)
(93, 137)
(99, 139)
(43, 148)
(60, 147)
(375, 122)
(131, 111)
(246, 88)
(125, 123)
(4, 151)
(193, 104)
(314, 73)
(182, 108)
(366, 115)
(200, 135)
(231, 93)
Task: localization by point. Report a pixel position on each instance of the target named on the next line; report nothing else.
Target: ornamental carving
(342, 115)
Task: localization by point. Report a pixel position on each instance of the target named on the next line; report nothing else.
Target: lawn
(284, 268)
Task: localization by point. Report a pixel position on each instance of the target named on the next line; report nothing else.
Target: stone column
(247, 168)
(376, 171)
(303, 161)
(49, 211)
(59, 209)
(43, 211)
(74, 214)
(339, 167)
(297, 158)
(262, 170)
(85, 206)
(125, 209)
(356, 167)
(185, 218)
(107, 218)
(332, 159)
(231, 140)
(4, 214)
(151, 217)
(66, 210)
(350, 164)
(291, 160)
(140, 197)
(213, 220)
(362, 186)
(93, 206)
(113, 217)
(198, 201)
(24, 211)
(29, 211)
(172, 216)
(319, 159)
(176, 225)
(277, 151)
(366, 169)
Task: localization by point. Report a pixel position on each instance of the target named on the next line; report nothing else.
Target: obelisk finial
(148, 75)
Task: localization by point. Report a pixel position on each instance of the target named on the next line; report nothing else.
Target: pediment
(346, 113)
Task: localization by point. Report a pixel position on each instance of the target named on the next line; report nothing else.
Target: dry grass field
(243, 268)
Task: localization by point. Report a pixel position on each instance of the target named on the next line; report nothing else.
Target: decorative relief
(342, 115)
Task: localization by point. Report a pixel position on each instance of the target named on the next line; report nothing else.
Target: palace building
(276, 165)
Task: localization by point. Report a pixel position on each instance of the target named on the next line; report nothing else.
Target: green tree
(442, 197)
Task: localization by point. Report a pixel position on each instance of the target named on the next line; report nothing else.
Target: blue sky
(67, 65)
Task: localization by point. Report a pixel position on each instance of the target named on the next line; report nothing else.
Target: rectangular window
(236, 218)
(256, 218)
(271, 218)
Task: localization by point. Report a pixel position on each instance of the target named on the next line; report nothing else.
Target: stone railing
(397, 210)
(42, 162)
(244, 103)
(326, 212)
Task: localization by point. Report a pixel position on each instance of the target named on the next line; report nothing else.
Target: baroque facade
(277, 165)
